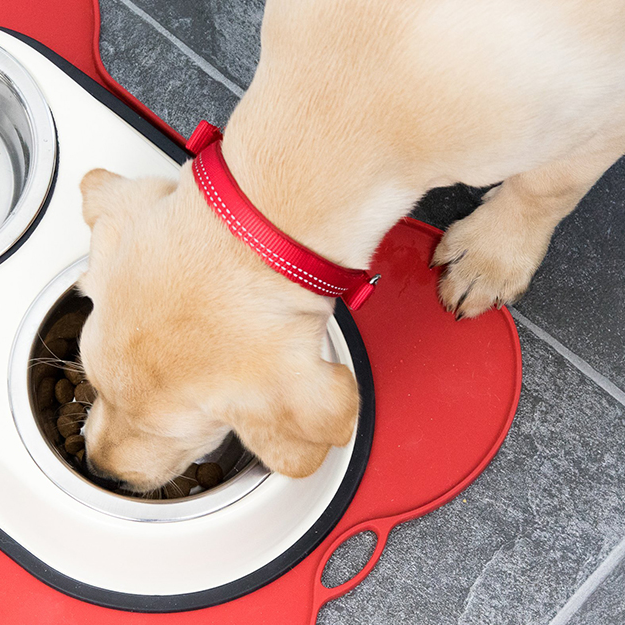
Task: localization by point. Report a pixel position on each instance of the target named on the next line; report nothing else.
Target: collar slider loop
(203, 135)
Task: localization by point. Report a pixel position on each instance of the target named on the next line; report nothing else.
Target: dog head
(192, 336)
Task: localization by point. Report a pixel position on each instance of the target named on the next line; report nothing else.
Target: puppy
(355, 111)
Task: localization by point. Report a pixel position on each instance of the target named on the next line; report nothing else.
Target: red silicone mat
(71, 28)
(446, 393)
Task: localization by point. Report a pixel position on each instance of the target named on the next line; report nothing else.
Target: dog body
(355, 111)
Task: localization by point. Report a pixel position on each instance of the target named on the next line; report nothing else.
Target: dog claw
(459, 316)
(453, 261)
(499, 303)
(463, 297)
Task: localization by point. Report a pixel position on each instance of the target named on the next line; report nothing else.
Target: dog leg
(492, 254)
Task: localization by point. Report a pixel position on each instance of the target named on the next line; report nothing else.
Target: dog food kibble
(73, 409)
(67, 327)
(75, 376)
(58, 348)
(48, 423)
(74, 443)
(178, 487)
(48, 415)
(191, 474)
(68, 426)
(64, 391)
(43, 370)
(45, 393)
(84, 392)
(209, 474)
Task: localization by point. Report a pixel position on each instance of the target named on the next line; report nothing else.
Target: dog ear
(97, 186)
(293, 434)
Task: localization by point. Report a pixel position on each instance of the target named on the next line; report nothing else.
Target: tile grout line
(202, 63)
(576, 361)
(581, 595)
(617, 555)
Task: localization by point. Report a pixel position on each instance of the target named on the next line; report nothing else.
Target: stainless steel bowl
(27, 150)
(242, 471)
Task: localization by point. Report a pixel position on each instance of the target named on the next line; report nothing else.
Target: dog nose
(99, 477)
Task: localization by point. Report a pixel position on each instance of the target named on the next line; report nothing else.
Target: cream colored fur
(356, 110)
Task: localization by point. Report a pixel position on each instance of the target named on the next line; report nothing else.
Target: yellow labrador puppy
(356, 110)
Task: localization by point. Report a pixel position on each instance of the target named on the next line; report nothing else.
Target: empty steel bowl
(27, 151)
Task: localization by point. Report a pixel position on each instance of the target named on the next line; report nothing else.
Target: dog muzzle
(282, 253)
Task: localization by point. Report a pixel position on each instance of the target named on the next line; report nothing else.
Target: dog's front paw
(489, 262)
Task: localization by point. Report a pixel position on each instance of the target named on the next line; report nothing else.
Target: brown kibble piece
(191, 472)
(68, 425)
(57, 348)
(80, 455)
(45, 393)
(64, 391)
(47, 415)
(43, 370)
(47, 420)
(74, 375)
(84, 392)
(178, 487)
(74, 443)
(51, 432)
(190, 475)
(67, 327)
(209, 474)
(73, 409)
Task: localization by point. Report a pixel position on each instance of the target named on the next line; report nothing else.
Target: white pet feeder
(91, 543)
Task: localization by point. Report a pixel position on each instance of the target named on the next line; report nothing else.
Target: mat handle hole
(348, 559)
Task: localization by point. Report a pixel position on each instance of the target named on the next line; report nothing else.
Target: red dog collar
(278, 250)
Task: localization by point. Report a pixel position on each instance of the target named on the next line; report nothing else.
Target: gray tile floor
(540, 536)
